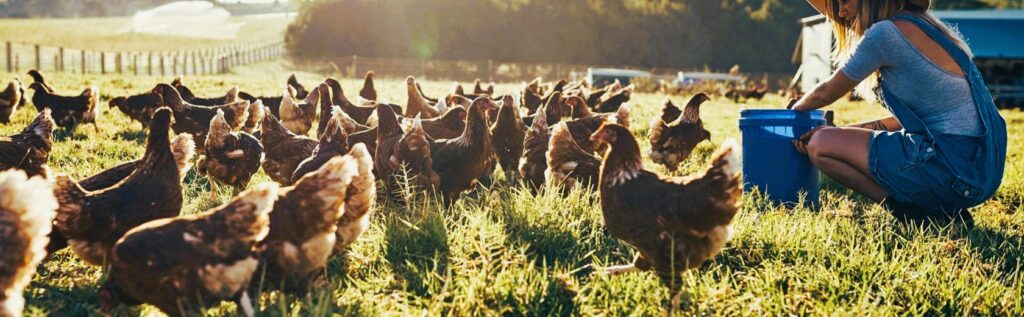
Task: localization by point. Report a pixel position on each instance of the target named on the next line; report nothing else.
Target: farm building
(994, 36)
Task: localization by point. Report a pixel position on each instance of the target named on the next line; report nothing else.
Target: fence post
(490, 70)
(55, 65)
(163, 72)
(117, 59)
(10, 64)
(60, 52)
(83, 62)
(149, 62)
(103, 63)
(39, 60)
(135, 64)
(192, 55)
(355, 65)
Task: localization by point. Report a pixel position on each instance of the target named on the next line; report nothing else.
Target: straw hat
(820, 5)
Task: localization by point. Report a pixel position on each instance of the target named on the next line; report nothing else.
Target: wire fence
(20, 57)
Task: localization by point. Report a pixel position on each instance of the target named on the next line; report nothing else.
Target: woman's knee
(821, 143)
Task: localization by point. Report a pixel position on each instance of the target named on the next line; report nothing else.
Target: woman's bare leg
(842, 154)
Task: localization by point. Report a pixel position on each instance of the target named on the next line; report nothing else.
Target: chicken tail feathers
(184, 149)
(359, 197)
(92, 106)
(70, 213)
(247, 216)
(42, 126)
(27, 205)
(728, 158)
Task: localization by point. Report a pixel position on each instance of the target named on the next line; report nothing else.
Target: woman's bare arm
(826, 92)
(885, 124)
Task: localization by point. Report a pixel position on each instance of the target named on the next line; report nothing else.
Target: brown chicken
(184, 264)
(359, 200)
(300, 90)
(333, 143)
(674, 224)
(10, 100)
(397, 151)
(29, 150)
(284, 150)
(582, 128)
(369, 92)
(612, 100)
(256, 113)
(93, 221)
(358, 112)
(303, 223)
(509, 133)
(448, 126)
(298, 117)
(229, 158)
(675, 133)
(186, 94)
(479, 91)
(183, 149)
(26, 211)
(195, 120)
(418, 105)
(138, 107)
(569, 165)
(68, 112)
(535, 148)
(532, 96)
(462, 161)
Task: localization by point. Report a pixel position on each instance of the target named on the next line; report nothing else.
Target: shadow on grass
(137, 136)
(417, 246)
(61, 135)
(997, 248)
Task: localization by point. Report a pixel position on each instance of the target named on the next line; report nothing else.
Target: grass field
(113, 34)
(505, 252)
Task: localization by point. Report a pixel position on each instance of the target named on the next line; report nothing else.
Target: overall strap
(980, 93)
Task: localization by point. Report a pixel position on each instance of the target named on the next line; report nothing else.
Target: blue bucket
(770, 163)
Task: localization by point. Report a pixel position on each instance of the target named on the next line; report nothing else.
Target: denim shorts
(909, 166)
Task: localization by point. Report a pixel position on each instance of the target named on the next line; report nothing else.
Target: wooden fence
(18, 57)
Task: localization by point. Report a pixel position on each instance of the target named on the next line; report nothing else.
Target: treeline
(760, 35)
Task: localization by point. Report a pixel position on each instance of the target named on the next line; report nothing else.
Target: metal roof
(989, 33)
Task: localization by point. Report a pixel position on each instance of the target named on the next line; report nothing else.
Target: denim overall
(944, 174)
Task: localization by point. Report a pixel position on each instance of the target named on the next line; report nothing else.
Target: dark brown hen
(569, 166)
(138, 107)
(462, 161)
(447, 126)
(68, 111)
(417, 104)
(360, 113)
(10, 100)
(674, 224)
(298, 117)
(230, 158)
(29, 150)
(674, 134)
(402, 156)
(93, 221)
(184, 264)
(369, 92)
(303, 224)
(333, 143)
(283, 150)
(582, 128)
(509, 134)
(195, 120)
(535, 148)
(186, 94)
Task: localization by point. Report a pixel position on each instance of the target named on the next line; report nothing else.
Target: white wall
(816, 55)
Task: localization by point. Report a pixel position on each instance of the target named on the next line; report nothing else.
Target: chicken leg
(214, 189)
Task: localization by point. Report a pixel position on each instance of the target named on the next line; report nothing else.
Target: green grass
(504, 252)
(113, 34)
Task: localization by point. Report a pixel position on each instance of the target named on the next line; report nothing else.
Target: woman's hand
(801, 143)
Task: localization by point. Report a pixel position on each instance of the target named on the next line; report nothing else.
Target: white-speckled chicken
(26, 212)
(184, 264)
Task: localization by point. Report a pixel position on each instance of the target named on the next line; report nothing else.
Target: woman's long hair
(848, 36)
